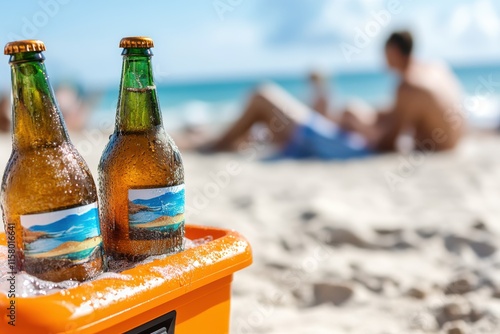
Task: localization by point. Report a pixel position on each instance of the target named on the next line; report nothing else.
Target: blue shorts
(320, 138)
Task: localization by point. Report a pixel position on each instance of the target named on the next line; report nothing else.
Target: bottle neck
(37, 120)
(138, 107)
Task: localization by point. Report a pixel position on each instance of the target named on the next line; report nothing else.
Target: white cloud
(468, 33)
(480, 17)
(487, 18)
(237, 35)
(460, 20)
(268, 36)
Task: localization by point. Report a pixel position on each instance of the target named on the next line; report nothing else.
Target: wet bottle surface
(141, 175)
(48, 197)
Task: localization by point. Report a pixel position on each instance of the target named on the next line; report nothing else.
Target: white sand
(337, 249)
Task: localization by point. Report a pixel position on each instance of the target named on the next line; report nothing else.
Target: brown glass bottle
(141, 175)
(48, 196)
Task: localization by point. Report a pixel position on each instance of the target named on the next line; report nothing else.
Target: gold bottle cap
(29, 45)
(136, 42)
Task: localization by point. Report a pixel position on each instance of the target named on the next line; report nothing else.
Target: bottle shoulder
(50, 177)
(61, 161)
(154, 144)
(134, 154)
(49, 155)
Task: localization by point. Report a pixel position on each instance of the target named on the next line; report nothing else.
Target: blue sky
(202, 39)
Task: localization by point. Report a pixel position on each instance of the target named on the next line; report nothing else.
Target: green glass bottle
(48, 196)
(141, 175)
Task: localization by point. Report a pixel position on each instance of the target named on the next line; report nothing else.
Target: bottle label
(71, 236)
(155, 213)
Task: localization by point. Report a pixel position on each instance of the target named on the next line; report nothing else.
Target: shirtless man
(427, 104)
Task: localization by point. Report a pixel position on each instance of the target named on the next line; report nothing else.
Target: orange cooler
(186, 293)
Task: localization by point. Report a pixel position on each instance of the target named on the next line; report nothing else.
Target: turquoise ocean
(219, 101)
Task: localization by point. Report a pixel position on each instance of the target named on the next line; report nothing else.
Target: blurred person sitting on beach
(4, 113)
(425, 105)
(320, 100)
(74, 110)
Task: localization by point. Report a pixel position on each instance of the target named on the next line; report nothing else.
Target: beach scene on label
(155, 210)
(72, 235)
